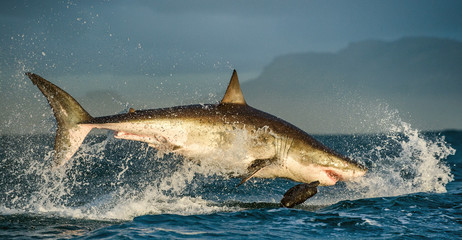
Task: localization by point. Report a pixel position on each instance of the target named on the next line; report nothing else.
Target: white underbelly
(223, 145)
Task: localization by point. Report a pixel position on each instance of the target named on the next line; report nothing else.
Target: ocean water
(116, 189)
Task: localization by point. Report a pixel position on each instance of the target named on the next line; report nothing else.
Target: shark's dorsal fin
(233, 93)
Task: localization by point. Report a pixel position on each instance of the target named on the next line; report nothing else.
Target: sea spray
(402, 160)
(101, 183)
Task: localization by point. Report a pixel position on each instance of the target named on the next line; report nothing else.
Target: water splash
(101, 183)
(402, 160)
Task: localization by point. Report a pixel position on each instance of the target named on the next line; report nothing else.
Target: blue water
(122, 189)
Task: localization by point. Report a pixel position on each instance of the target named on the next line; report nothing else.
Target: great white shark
(249, 141)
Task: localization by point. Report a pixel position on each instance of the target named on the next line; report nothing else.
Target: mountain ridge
(414, 75)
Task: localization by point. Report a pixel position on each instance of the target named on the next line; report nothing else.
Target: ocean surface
(116, 189)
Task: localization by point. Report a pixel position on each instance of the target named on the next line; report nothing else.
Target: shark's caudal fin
(68, 114)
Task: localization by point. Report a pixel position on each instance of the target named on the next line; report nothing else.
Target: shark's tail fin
(68, 114)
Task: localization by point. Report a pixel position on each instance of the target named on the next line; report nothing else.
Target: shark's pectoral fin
(299, 194)
(256, 166)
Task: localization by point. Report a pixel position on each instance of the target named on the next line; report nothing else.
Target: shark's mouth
(334, 176)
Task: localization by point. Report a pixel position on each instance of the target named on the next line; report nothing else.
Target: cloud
(418, 76)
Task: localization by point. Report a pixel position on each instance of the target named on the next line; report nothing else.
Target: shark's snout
(347, 175)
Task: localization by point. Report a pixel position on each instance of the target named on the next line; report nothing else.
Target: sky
(88, 46)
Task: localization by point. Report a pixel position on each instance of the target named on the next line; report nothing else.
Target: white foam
(406, 161)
